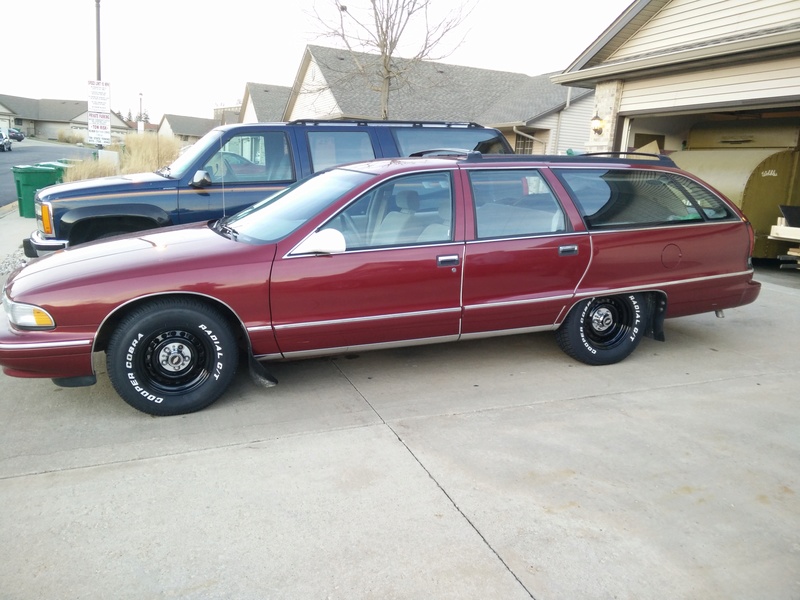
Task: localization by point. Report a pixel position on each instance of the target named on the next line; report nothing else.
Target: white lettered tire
(172, 356)
(605, 329)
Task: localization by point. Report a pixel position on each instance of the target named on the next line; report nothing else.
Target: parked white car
(5, 142)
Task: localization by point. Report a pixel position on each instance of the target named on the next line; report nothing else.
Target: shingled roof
(268, 101)
(438, 91)
(24, 108)
(44, 109)
(189, 126)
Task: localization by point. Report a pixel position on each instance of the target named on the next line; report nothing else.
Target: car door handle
(570, 250)
(447, 260)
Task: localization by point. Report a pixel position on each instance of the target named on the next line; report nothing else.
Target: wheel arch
(656, 309)
(114, 318)
(85, 224)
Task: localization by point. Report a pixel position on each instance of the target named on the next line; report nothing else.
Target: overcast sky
(186, 57)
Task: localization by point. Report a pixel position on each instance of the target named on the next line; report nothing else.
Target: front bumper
(38, 245)
(63, 356)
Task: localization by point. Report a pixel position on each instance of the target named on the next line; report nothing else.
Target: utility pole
(97, 5)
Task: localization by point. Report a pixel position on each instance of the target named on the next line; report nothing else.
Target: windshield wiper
(164, 172)
(226, 230)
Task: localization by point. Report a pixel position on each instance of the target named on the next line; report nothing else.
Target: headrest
(408, 200)
(445, 209)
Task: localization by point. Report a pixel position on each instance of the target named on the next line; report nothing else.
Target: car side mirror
(325, 241)
(201, 179)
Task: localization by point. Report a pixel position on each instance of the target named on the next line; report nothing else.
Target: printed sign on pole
(99, 118)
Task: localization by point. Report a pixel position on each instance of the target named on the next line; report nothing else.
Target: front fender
(85, 214)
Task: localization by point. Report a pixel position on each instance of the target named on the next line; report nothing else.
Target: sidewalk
(13, 229)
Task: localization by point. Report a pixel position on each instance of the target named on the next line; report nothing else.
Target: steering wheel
(349, 230)
(228, 172)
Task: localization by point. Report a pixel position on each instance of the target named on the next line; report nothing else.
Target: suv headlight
(27, 316)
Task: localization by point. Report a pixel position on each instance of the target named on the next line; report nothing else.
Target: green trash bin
(57, 165)
(30, 178)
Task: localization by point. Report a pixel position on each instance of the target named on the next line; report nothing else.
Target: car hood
(173, 258)
(111, 184)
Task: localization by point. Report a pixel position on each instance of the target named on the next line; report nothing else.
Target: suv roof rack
(644, 156)
(448, 152)
(608, 157)
(379, 122)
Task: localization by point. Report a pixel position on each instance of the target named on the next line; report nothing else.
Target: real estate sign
(99, 119)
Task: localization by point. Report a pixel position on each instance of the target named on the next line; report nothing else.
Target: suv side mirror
(201, 179)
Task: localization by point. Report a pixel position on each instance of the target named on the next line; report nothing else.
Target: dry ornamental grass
(141, 153)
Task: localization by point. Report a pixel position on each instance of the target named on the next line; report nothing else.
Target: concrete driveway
(491, 469)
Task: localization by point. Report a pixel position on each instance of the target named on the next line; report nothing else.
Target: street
(29, 152)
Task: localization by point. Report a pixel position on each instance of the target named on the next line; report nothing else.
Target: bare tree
(379, 28)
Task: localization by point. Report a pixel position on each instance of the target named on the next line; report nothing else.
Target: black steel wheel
(172, 357)
(603, 330)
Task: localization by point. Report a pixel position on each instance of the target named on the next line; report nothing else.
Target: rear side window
(331, 148)
(514, 203)
(619, 198)
(417, 139)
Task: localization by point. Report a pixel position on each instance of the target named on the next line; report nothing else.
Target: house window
(523, 145)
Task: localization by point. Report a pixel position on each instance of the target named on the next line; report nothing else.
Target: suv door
(247, 167)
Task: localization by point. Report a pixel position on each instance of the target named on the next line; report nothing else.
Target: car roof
(343, 124)
(470, 159)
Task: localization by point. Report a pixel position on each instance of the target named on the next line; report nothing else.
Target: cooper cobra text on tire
(172, 357)
(605, 329)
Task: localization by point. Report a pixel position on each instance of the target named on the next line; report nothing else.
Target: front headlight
(27, 316)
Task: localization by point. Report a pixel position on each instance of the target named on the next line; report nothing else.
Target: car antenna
(224, 206)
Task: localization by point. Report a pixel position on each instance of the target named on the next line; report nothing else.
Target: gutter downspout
(560, 115)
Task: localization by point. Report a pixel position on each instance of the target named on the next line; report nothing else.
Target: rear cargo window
(418, 139)
(618, 198)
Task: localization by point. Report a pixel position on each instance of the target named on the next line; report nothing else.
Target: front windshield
(279, 215)
(182, 164)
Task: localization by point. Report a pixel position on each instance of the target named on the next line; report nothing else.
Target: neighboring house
(535, 114)
(187, 129)
(148, 127)
(19, 112)
(664, 65)
(713, 83)
(264, 103)
(47, 118)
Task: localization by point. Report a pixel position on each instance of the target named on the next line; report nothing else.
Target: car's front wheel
(605, 329)
(172, 357)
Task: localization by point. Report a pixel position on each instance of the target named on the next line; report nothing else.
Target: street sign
(99, 117)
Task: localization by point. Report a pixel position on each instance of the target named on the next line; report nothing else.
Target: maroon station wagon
(381, 254)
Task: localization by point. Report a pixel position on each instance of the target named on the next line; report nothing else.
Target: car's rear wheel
(172, 357)
(603, 330)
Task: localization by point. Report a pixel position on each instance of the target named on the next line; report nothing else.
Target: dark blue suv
(230, 168)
